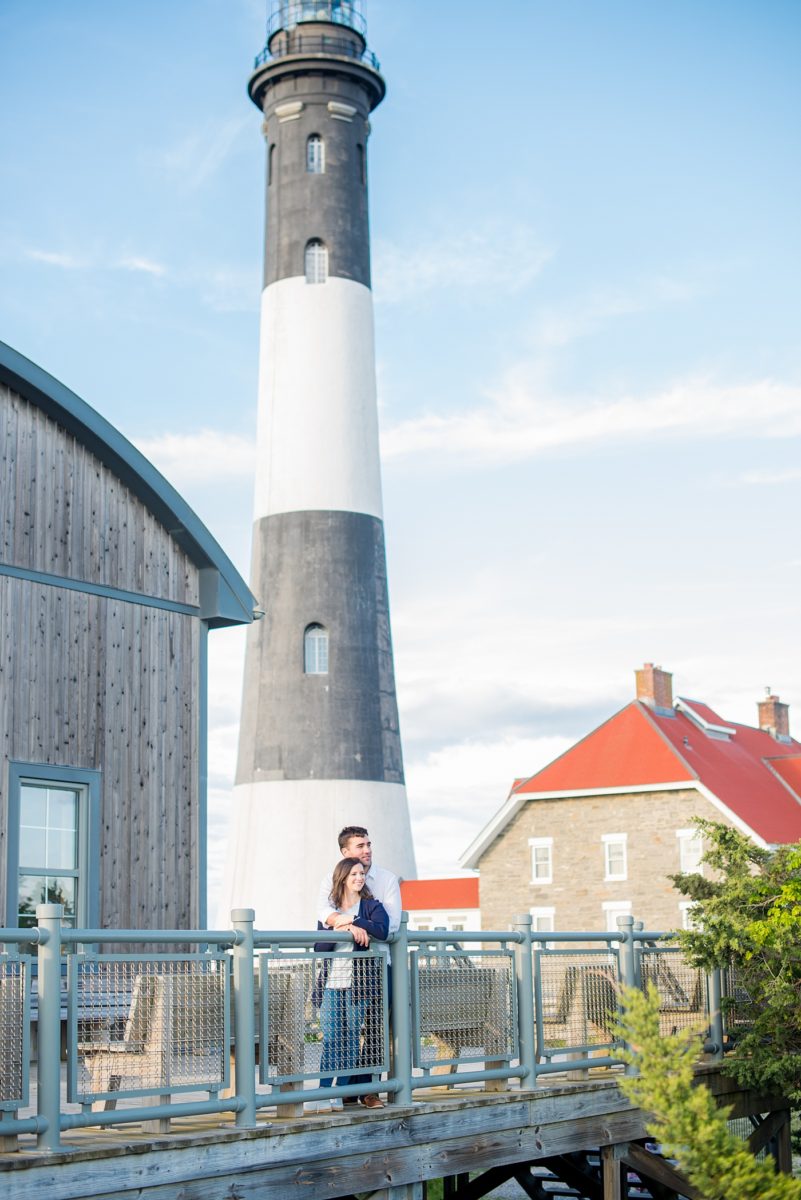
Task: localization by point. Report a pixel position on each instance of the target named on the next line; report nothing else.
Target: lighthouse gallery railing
(243, 1018)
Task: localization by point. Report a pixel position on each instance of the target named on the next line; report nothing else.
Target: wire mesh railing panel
(14, 1024)
(322, 1016)
(576, 1000)
(147, 1026)
(737, 1003)
(681, 987)
(464, 1007)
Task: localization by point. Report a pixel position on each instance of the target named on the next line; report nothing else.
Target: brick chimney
(774, 717)
(655, 688)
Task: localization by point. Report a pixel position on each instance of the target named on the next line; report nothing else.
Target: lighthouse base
(283, 840)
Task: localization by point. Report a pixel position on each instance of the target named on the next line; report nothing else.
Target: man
(354, 842)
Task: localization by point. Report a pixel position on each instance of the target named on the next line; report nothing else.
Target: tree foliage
(685, 1119)
(748, 917)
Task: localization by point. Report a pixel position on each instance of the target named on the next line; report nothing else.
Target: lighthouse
(319, 744)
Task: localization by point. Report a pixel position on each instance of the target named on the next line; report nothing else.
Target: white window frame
(315, 261)
(315, 649)
(543, 912)
(686, 908)
(612, 909)
(615, 839)
(315, 154)
(541, 843)
(685, 838)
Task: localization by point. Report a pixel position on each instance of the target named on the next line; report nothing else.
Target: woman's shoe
(371, 1102)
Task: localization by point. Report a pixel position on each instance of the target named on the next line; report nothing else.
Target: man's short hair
(351, 831)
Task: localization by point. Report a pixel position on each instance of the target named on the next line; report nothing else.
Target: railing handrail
(304, 43)
(534, 980)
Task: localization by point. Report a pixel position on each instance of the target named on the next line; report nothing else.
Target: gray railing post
(244, 1018)
(401, 1015)
(628, 965)
(714, 993)
(638, 928)
(48, 1106)
(525, 998)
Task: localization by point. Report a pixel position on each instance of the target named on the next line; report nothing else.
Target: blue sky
(586, 270)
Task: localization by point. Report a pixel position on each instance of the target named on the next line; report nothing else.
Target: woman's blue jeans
(341, 1019)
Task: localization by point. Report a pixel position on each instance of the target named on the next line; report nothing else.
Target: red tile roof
(755, 777)
(423, 894)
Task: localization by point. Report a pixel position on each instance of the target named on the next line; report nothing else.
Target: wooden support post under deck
(611, 1172)
(784, 1150)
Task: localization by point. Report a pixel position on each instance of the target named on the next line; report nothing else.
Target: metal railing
(304, 43)
(288, 13)
(251, 1019)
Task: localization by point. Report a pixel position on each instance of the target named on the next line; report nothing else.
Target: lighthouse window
(316, 261)
(315, 155)
(315, 650)
(360, 153)
(271, 164)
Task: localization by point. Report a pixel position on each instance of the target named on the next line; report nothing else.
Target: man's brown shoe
(371, 1102)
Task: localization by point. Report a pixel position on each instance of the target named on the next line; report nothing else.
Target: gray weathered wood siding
(62, 511)
(95, 682)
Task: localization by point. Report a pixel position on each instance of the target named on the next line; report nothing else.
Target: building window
(360, 156)
(615, 865)
(315, 155)
(612, 909)
(270, 164)
(53, 853)
(315, 650)
(541, 859)
(316, 261)
(691, 848)
(687, 910)
(543, 920)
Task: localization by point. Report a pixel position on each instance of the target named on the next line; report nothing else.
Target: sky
(585, 241)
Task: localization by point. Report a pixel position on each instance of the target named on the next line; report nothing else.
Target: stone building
(595, 834)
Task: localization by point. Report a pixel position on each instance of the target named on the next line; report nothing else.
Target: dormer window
(315, 155)
(315, 650)
(316, 261)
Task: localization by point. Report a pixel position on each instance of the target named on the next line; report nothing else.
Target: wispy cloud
(199, 157)
(518, 422)
(493, 258)
(559, 327)
(147, 266)
(771, 477)
(55, 258)
(209, 455)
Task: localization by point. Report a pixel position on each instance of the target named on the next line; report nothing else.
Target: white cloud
(147, 266)
(198, 157)
(519, 423)
(208, 456)
(493, 258)
(560, 327)
(456, 788)
(770, 477)
(69, 262)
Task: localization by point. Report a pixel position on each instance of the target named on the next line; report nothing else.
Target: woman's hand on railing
(360, 936)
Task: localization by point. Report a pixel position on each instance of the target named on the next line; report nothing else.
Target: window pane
(315, 650)
(31, 893)
(62, 809)
(32, 847)
(315, 155)
(542, 862)
(316, 262)
(62, 850)
(61, 890)
(33, 805)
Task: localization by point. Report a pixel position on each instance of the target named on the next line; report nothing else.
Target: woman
(347, 986)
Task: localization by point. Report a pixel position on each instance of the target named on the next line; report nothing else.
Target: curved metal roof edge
(230, 602)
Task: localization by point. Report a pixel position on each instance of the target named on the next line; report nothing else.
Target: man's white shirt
(383, 885)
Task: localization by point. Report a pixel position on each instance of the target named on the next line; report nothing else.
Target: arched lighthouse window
(315, 650)
(315, 155)
(316, 261)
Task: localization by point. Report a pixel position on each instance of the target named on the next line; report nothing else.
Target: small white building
(442, 904)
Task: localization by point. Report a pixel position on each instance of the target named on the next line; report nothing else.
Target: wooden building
(109, 585)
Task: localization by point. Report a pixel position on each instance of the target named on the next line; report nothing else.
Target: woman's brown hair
(341, 872)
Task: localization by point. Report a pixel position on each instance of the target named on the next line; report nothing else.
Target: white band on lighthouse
(282, 886)
(318, 422)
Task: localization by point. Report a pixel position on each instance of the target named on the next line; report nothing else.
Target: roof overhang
(225, 598)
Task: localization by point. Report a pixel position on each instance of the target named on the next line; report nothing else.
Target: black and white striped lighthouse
(319, 743)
